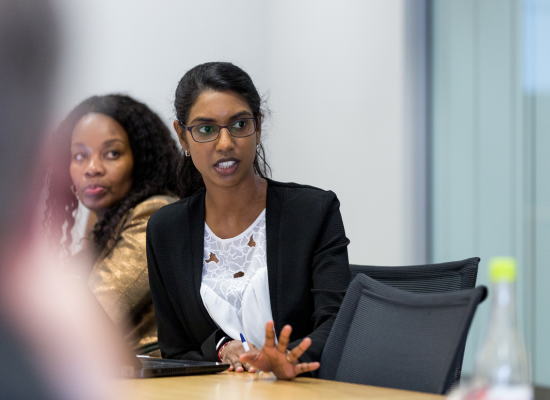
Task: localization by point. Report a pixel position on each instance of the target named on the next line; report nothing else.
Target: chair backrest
(389, 337)
(429, 278)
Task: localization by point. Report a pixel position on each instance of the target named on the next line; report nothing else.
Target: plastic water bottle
(502, 369)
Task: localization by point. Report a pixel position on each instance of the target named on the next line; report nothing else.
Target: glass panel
(490, 161)
(536, 92)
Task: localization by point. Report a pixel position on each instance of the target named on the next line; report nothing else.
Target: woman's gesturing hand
(276, 358)
(230, 355)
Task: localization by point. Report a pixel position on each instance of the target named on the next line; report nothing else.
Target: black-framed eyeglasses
(240, 128)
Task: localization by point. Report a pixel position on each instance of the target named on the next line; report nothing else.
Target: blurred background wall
(335, 74)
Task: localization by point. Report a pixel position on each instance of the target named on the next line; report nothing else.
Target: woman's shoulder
(150, 205)
(135, 220)
(176, 210)
(291, 191)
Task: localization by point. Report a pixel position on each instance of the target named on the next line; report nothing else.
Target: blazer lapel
(272, 221)
(196, 221)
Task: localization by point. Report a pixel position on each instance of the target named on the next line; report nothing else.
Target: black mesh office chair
(430, 278)
(389, 337)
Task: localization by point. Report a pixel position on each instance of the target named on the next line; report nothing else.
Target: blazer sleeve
(119, 279)
(330, 278)
(175, 336)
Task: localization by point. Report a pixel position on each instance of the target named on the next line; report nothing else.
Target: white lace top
(234, 287)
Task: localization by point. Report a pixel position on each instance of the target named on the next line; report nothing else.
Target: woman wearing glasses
(242, 254)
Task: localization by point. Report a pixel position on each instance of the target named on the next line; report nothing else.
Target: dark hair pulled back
(218, 77)
(154, 152)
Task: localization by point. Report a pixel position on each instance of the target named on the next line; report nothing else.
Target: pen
(245, 345)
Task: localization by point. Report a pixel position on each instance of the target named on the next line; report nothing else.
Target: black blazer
(307, 262)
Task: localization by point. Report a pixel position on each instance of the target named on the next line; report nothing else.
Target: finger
(237, 365)
(249, 357)
(269, 335)
(297, 352)
(306, 367)
(226, 360)
(249, 367)
(284, 338)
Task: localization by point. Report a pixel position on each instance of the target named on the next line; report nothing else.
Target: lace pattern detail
(235, 256)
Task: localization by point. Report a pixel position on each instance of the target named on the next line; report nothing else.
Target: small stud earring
(73, 190)
(187, 154)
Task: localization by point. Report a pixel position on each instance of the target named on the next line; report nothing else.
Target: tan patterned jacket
(119, 277)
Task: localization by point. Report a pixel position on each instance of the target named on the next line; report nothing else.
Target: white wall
(335, 72)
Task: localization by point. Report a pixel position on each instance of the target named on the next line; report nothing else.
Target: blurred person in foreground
(52, 343)
(115, 156)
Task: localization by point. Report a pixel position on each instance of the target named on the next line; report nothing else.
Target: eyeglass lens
(208, 132)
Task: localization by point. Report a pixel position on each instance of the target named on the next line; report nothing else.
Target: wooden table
(243, 386)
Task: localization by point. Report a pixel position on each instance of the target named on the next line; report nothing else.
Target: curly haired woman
(118, 155)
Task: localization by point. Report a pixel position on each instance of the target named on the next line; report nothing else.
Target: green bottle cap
(502, 269)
